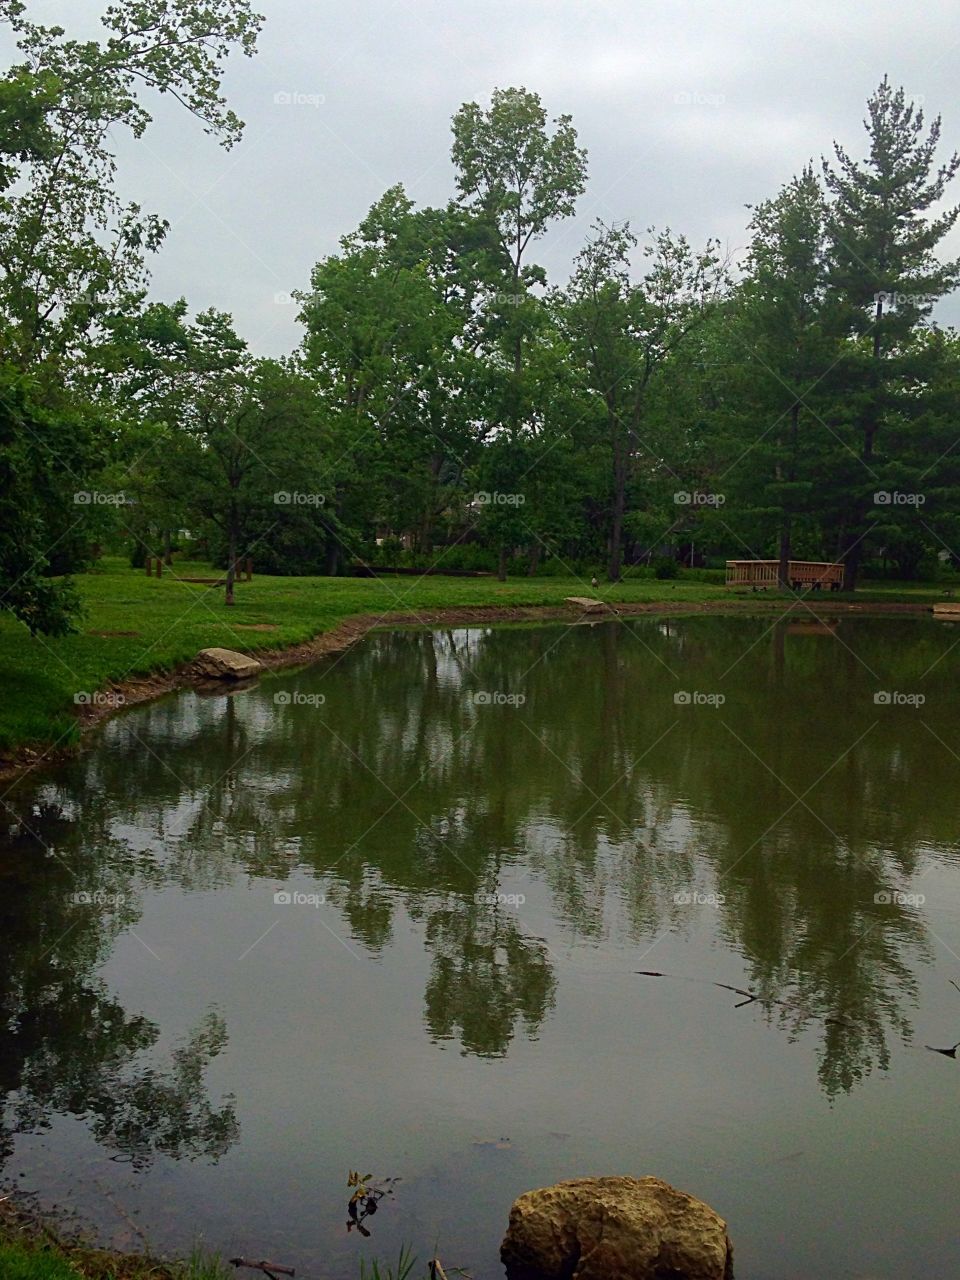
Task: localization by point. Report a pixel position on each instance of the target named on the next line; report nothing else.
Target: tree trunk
(534, 563)
(231, 561)
(783, 569)
(619, 504)
(851, 561)
(786, 517)
(167, 551)
(502, 563)
(331, 558)
(853, 546)
(425, 535)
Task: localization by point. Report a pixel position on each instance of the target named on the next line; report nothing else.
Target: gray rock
(586, 604)
(225, 664)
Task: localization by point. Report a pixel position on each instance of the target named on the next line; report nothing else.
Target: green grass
(172, 619)
(18, 1263)
(402, 1271)
(32, 1261)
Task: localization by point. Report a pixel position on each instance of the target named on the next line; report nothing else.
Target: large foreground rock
(225, 664)
(586, 604)
(615, 1229)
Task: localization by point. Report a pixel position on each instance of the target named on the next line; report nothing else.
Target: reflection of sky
(332, 1053)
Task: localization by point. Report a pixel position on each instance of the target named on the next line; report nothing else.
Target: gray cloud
(690, 109)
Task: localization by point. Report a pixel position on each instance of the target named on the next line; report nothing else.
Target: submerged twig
(268, 1268)
(749, 997)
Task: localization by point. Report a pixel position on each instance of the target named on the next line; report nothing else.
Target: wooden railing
(801, 573)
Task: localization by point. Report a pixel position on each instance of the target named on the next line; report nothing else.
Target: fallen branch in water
(750, 997)
(268, 1268)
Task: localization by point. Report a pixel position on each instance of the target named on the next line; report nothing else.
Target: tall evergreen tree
(885, 277)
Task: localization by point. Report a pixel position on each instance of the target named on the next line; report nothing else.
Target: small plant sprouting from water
(365, 1199)
(405, 1264)
(404, 1268)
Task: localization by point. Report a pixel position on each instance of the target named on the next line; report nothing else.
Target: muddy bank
(38, 1234)
(130, 693)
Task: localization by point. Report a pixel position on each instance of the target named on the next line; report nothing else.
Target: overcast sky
(689, 111)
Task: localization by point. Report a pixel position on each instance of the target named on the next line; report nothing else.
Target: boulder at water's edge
(615, 1228)
(586, 604)
(225, 664)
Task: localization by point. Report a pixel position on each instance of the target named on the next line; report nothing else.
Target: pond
(399, 913)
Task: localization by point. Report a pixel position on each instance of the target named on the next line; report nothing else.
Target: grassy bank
(56, 1262)
(134, 625)
(31, 1248)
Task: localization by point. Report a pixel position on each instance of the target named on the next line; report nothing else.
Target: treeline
(450, 406)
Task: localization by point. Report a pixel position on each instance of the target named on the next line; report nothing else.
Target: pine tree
(787, 353)
(884, 277)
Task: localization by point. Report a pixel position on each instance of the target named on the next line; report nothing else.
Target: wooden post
(149, 564)
(159, 566)
(249, 569)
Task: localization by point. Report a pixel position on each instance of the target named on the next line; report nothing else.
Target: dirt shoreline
(139, 689)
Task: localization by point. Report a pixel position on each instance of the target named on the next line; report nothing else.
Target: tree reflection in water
(799, 798)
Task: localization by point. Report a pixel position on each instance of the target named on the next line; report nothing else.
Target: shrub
(665, 567)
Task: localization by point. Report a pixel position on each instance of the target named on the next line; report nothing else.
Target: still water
(387, 914)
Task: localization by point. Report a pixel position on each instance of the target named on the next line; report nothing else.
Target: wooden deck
(810, 575)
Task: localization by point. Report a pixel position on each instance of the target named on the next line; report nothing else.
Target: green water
(359, 917)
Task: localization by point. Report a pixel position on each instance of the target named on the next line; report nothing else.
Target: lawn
(134, 625)
(32, 1260)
